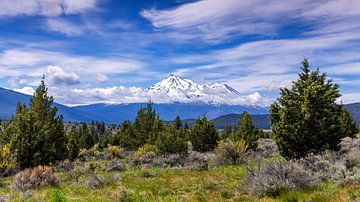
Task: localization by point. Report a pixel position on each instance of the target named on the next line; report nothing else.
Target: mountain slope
(167, 111)
(354, 110)
(9, 100)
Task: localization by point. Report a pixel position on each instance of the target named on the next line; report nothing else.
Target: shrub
(7, 160)
(93, 182)
(41, 176)
(271, 177)
(348, 144)
(115, 152)
(266, 148)
(352, 159)
(147, 158)
(197, 161)
(171, 160)
(230, 152)
(320, 168)
(116, 165)
(66, 165)
(78, 171)
(147, 148)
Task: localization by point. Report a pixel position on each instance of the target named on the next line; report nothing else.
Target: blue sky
(108, 51)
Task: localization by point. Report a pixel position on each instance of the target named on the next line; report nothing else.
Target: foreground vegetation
(310, 155)
(177, 178)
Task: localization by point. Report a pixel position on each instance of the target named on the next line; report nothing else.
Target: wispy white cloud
(9, 8)
(102, 78)
(217, 21)
(33, 62)
(62, 26)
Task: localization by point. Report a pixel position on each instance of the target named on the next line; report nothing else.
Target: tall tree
(177, 123)
(86, 139)
(247, 131)
(306, 117)
(144, 122)
(126, 136)
(73, 146)
(203, 135)
(38, 135)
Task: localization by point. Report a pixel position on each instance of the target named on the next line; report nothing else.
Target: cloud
(26, 90)
(33, 63)
(56, 76)
(122, 94)
(64, 27)
(215, 21)
(10, 8)
(101, 78)
(14, 82)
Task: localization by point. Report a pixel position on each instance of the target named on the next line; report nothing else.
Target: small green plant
(57, 195)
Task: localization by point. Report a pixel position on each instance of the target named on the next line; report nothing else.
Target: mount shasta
(172, 96)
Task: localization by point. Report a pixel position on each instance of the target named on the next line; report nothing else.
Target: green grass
(224, 183)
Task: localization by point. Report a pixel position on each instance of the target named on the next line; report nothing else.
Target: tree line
(305, 119)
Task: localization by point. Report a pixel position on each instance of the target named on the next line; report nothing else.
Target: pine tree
(143, 125)
(307, 119)
(203, 135)
(38, 136)
(126, 136)
(177, 123)
(73, 146)
(86, 139)
(247, 131)
(171, 141)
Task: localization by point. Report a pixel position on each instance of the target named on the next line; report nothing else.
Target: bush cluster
(272, 177)
(40, 176)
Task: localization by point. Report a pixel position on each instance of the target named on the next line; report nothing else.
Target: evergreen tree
(73, 146)
(143, 125)
(171, 140)
(203, 135)
(126, 136)
(307, 119)
(37, 135)
(86, 139)
(177, 123)
(247, 131)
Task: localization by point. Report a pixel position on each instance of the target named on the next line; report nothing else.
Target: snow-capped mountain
(176, 89)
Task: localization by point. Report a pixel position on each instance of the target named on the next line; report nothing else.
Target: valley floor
(222, 183)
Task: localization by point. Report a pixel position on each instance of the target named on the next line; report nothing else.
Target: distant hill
(9, 100)
(120, 112)
(354, 110)
(262, 121)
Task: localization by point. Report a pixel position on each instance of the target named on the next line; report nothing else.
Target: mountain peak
(173, 88)
(172, 75)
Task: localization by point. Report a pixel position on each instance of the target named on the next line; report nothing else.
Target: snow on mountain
(176, 89)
